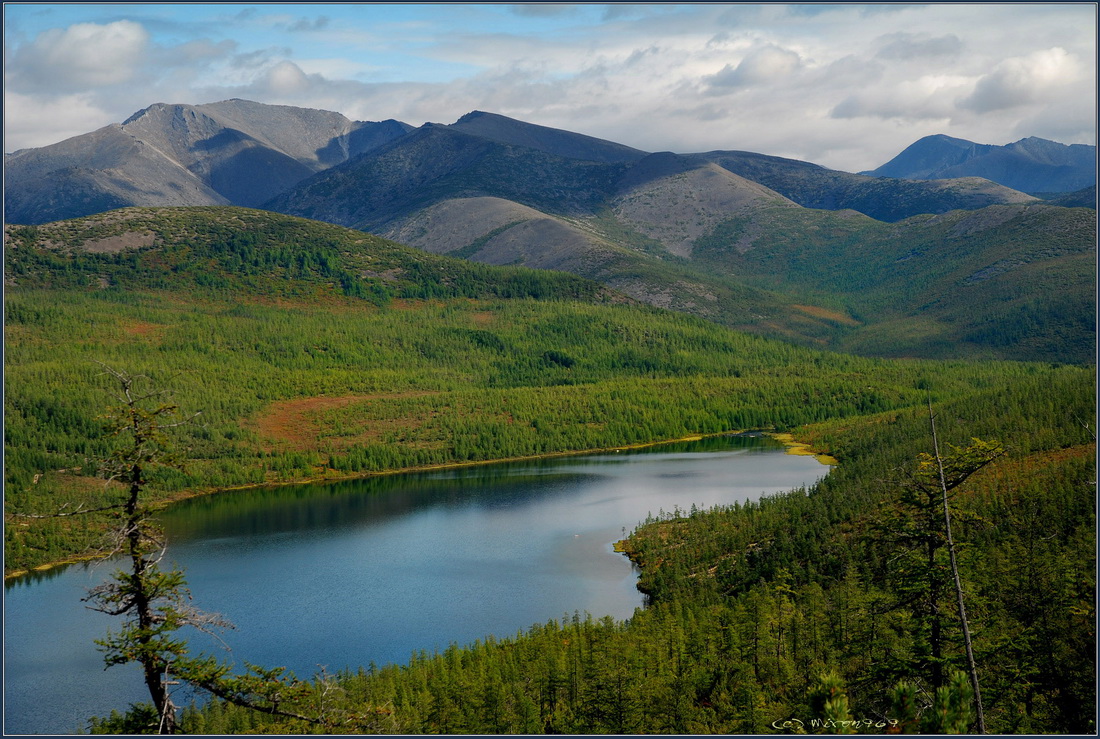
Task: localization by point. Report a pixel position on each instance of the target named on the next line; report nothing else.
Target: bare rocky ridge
(499, 232)
(550, 140)
(453, 224)
(232, 152)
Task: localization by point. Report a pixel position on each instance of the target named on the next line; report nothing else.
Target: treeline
(761, 611)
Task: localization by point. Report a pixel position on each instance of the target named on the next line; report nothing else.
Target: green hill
(1005, 281)
(757, 243)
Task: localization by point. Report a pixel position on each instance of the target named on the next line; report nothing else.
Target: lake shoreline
(786, 439)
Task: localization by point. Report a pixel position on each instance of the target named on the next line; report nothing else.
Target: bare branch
(77, 512)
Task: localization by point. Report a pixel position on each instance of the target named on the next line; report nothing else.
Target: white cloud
(766, 65)
(32, 122)
(1037, 77)
(287, 79)
(78, 57)
(929, 97)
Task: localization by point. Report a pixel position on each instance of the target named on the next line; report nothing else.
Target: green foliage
(829, 700)
(141, 718)
(950, 713)
(1006, 281)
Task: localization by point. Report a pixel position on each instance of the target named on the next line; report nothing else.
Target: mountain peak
(472, 115)
(1031, 165)
(505, 130)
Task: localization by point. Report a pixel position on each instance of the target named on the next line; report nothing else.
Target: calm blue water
(346, 574)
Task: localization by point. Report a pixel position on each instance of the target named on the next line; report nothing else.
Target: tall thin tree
(975, 462)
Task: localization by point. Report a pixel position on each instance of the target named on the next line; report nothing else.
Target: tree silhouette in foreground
(155, 602)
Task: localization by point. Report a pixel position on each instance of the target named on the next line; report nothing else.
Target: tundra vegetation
(316, 352)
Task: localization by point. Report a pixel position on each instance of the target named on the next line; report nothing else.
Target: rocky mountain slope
(876, 265)
(239, 152)
(234, 152)
(1031, 165)
(550, 140)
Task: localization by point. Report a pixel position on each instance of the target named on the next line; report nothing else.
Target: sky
(846, 86)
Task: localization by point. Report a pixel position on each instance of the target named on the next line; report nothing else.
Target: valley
(395, 299)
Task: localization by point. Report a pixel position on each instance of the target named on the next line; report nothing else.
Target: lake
(372, 570)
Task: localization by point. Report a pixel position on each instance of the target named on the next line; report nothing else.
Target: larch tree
(155, 602)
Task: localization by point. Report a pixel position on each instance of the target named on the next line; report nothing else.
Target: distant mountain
(238, 152)
(233, 152)
(1084, 198)
(550, 140)
(434, 163)
(1031, 165)
(882, 198)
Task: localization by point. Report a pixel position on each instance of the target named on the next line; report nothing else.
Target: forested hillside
(811, 609)
(1004, 281)
(312, 351)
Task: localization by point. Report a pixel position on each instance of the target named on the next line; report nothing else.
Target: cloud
(287, 78)
(907, 46)
(1037, 77)
(1074, 123)
(929, 97)
(840, 86)
(319, 23)
(83, 55)
(764, 65)
(34, 122)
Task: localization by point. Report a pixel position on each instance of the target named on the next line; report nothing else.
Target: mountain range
(234, 152)
(876, 265)
(1031, 165)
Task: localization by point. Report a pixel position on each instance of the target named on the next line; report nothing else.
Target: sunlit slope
(1008, 281)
